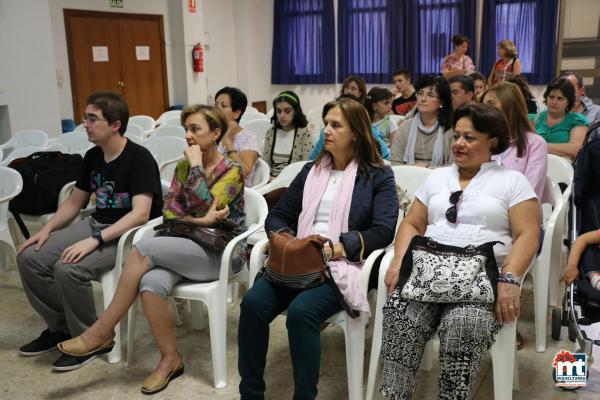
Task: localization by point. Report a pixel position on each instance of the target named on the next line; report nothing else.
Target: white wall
(27, 67)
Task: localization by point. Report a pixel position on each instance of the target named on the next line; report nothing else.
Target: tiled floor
(31, 378)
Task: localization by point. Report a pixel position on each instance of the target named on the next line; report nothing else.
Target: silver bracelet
(508, 280)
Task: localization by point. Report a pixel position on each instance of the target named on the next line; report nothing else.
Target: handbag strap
(352, 313)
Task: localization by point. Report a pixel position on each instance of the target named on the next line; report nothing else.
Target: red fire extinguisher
(198, 58)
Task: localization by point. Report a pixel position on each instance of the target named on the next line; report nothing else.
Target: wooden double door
(121, 53)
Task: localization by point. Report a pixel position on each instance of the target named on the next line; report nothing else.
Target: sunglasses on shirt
(451, 213)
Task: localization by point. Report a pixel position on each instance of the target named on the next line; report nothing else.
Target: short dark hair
(477, 76)
(579, 78)
(293, 100)
(488, 120)
(403, 72)
(113, 108)
(459, 39)
(565, 87)
(239, 101)
(376, 94)
(466, 82)
(443, 89)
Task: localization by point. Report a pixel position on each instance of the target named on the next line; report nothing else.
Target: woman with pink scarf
(347, 195)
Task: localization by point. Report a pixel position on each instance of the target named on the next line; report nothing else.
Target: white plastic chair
(262, 173)
(398, 119)
(167, 150)
(168, 114)
(30, 137)
(560, 169)
(546, 266)
(409, 178)
(270, 113)
(213, 294)
(503, 352)
(284, 179)
(173, 121)
(134, 131)
(167, 130)
(251, 116)
(251, 109)
(260, 128)
(20, 152)
(145, 121)
(314, 115)
(79, 128)
(354, 336)
(11, 185)
(71, 143)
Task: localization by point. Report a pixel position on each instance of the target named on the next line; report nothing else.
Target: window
(364, 39)
(516, 21)
(303, 42)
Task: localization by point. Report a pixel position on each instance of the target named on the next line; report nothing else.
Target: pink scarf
(345, 273)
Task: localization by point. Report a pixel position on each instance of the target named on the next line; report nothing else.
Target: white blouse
(482, 210)
(321, 224)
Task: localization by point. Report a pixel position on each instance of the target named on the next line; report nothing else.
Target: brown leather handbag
(212, 240)
(300, 264)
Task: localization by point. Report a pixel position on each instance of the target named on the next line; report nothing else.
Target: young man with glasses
(58, 263)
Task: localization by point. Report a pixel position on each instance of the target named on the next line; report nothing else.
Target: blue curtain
(532, 26)
(365, 40)
(303, 42)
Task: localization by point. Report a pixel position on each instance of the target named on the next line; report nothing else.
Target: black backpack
(44, 174)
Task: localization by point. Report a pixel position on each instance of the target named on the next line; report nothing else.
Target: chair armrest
(226, 271)
(365, 273)
(146, 230)
(256, 259)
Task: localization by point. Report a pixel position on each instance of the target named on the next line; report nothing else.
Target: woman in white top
(471, 202)
(238, 144)
(289, 140)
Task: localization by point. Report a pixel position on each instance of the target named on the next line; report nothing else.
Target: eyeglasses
(451, 213)
(91, 118)
(430, 95)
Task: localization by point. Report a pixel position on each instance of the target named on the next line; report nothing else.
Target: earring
(441, 106)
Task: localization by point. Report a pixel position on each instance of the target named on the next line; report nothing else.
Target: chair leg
(355, 358)
(198, 312)
(109, 286)
(540, 305)
(217, 320)
(376, 344)
(131, 323)
(9, 252)
(176, 316)
(504, 362)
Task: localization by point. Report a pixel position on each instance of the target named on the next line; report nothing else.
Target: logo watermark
(570, 369)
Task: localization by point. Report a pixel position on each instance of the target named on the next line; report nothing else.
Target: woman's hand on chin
(194, 155)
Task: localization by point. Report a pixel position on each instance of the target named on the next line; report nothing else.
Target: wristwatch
(97, 234)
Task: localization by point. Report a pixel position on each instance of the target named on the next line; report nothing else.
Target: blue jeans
(306, 310)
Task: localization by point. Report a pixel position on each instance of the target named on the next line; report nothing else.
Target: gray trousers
(62, 293)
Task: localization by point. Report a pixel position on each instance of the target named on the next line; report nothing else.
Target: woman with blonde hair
(507, 65)
(528, 151)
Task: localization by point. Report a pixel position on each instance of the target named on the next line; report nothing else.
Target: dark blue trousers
(306, 310)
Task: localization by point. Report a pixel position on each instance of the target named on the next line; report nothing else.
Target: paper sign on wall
(100, 53)
(142, 53)
(116, 3)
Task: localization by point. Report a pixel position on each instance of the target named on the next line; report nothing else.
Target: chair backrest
(79, 128)
(21, 152)
(168, 130)
(262, 173)
(260, 128)
(255, 207)
(314, 116)
(554, 223)
(145, 121)
(11, 185)
(134, 130)
(167, 150)
(251, 116)
(29, 137)
(1, 154)
(168, 114)
(270, 113)
(172, 121)
(251, 109)
(72, 143)
(560, 169)
(165, 186)
(398, 119)
(410, 177)
(284, 179)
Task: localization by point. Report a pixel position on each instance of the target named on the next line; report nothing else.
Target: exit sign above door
(116, 3)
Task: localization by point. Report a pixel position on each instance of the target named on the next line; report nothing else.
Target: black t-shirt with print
(115, 183)
(402, 105)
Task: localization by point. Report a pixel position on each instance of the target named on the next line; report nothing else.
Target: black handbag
(212, 240)
(438, 273)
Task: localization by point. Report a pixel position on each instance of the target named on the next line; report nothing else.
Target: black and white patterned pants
(466, 332)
